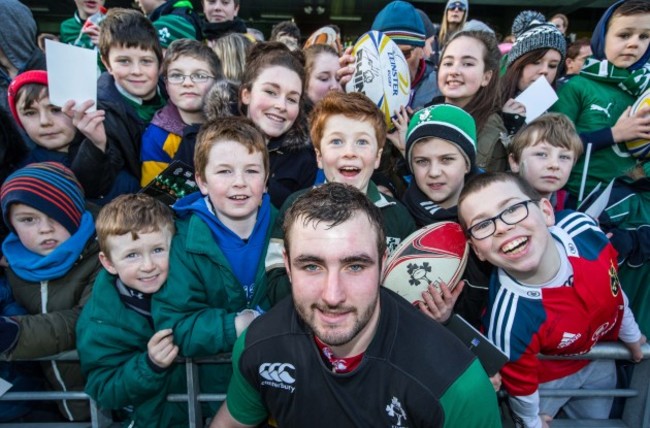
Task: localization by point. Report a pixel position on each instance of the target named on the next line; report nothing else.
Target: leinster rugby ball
(434, 254)
(640, 148)
(381, 73)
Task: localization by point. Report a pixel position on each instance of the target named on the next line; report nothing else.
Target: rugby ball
(381, 73)
(639, 148)
(431, 255)
(325, 36)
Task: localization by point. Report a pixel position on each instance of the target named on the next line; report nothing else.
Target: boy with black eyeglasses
(189, 70)
(555, 292)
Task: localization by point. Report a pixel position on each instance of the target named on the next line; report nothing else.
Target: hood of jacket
(17, 33)
(221, 100)
(169, 119)
(598, 38)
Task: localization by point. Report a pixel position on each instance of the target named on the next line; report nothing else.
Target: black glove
(513, 122)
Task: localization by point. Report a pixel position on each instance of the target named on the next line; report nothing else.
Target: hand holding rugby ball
(381, 73)
(434, 254)
(639, 148)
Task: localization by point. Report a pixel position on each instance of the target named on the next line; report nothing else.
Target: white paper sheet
(599, 205)
(537, 98)
(71, 73)
(4, 386)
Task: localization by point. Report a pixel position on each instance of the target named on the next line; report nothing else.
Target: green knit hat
(173, 27)
(447, 122)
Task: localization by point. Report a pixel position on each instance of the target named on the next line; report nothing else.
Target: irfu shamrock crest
(424, 115)
(418, 273)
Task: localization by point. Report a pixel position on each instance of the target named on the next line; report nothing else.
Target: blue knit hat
(48, 187)
(401, 22)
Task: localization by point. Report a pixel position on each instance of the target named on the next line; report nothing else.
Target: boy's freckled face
(46, 124)
(38, 232)
(349, 152)
(235, 181)
(522, 249)
(143, 263)
(545, 167)
(188, 96)
(627, 39)
(135, 70)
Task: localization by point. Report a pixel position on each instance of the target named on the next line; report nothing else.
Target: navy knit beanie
(48, 187)
(401, 22)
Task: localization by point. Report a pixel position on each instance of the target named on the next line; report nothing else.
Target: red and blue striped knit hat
(401, 22)
(48, 187)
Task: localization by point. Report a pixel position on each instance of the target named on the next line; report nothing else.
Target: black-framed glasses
(178, 78)
(512, 215)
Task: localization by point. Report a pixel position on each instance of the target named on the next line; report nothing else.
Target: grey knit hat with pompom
(532, 32)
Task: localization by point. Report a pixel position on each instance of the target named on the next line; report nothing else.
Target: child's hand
(439, 305)
(243, 320)
(546, 420)
(496, 382)
(90, 124)
(635, 349)
(344, 74)
(398, 135)
(161, 348)
(628, 128)
(514, 107)
(92, 31)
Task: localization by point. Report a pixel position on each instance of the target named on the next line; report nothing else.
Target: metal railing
(636, 413)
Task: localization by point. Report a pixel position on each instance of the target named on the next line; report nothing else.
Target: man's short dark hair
(333, 204)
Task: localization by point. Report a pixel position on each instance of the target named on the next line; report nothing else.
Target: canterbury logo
(278, 372)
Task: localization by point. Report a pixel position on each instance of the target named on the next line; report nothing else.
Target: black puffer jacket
(293, 163)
